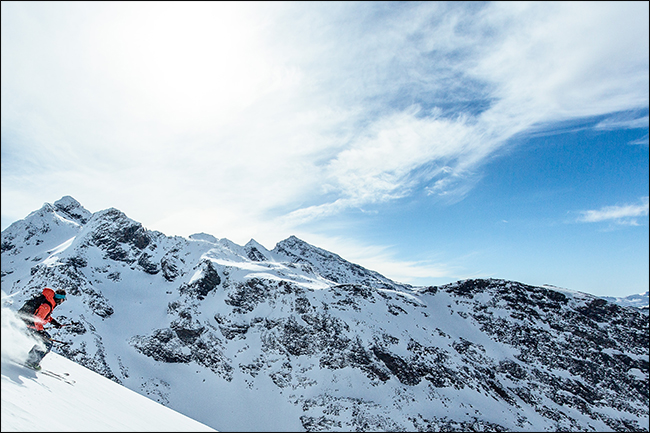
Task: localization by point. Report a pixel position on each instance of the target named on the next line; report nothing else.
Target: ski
(62, 377)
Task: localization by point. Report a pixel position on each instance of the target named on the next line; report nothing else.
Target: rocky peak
(256, 252)
(293, 246)
(291, 241)
(46, 228)
(121, 237)
(330, 265)
(72, 209)
(299, 250)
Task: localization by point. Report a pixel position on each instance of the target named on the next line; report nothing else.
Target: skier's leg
(47, 341)
(35, 355)
(39, 351)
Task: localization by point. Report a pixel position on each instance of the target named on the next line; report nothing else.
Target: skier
(35, 313)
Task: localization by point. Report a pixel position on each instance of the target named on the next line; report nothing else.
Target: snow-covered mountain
(80, 400)
(639, 301)
(242, 338)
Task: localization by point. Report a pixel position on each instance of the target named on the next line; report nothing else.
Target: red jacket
(43, 313)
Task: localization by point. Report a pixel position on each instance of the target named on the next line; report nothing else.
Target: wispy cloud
(620, 214)
(527, 65)
(623, 122)
(643, 141)
(293, 111)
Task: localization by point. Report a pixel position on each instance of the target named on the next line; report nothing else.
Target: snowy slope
(243, 338)
(82, 401)
(85, 401)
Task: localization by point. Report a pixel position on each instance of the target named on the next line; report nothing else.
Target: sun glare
(185, 62)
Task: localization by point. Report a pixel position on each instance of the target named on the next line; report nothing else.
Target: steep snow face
(219, 331)
(79, 400)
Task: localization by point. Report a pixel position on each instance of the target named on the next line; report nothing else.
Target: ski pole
(63, 325)
(59, 341)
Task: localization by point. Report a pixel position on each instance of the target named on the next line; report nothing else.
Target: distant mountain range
(242, 338)
(638, 301)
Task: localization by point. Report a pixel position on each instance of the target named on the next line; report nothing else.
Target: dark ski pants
(37, 353)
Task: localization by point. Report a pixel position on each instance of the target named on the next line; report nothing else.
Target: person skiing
(35, 313)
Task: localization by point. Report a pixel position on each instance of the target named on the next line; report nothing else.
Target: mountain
(638, 301)
(242, 338)
(80, 400)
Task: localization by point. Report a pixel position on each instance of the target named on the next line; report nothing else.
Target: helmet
(59, 295)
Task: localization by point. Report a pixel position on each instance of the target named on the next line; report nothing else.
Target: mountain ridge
(332, 344)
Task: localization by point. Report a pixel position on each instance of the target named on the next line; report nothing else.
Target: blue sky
(429, 141)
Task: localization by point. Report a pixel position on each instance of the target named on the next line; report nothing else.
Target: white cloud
(643, 141)
(536, 63)
(387, 161)
(623, 122)
(290, 112)
(561, 60)
(623, 214)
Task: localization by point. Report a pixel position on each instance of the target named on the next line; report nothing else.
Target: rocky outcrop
(121, 238)
(208, 281)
